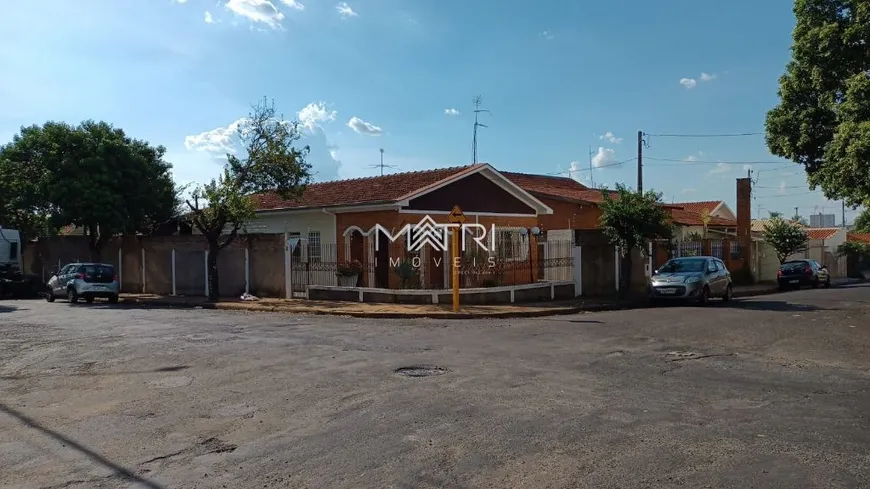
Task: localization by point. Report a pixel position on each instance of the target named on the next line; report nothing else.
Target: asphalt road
(764, 393)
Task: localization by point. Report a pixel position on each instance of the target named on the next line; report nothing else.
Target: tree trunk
(95, 247)
(625, 267)
(213, 279)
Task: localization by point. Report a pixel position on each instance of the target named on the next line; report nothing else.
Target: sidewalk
(407, 311)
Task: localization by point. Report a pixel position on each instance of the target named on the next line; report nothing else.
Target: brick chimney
(744, 216)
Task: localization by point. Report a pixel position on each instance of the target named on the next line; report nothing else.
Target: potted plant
(348, 273)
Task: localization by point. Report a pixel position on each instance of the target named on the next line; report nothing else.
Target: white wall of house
(295, 222)
(724, 212)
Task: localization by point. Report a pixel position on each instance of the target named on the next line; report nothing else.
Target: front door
(382, 261)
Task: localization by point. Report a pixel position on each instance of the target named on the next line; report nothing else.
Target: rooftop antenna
(382, 165)
(591, 172)
(478, 100)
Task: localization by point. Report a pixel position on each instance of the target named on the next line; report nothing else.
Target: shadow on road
(176, 368)
(6, 308)
(768, 305)
(96, 457)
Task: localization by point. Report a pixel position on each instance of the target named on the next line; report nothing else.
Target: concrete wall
(146, 263)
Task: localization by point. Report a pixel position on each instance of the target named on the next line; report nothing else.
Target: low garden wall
(542, 291)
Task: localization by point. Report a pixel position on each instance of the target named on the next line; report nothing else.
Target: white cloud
(610, 138)
(208, 18)
(694, 157)
(689, 83)
(603, 157)
(362, 127)
(688, 191)
(180, 1)
(314, 114)
(747, 167)
(220, 140)
(344, 10)
(705, 77)
(575, 172)
(547, 35)
(451, 112)
(264, 11)
(782, 187)
(293, 4)
(720, 168)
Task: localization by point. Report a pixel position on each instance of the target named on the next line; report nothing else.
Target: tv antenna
(382, 165)
(478, 100)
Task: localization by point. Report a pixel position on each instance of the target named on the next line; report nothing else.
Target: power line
(708, 162)
(731, 135)
(606, 165)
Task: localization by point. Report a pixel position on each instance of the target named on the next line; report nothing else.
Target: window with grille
(314, 249)
(511, 245)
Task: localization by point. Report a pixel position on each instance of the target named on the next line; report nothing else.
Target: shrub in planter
(348, 273)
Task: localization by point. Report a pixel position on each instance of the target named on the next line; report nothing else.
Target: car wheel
(827, 282)
(705, 296)
(49, 295)
(113, 299)
(72, 296)
(729, 293)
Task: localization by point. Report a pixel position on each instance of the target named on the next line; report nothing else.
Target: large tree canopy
(629, 220)
(91, 175)
(823, 119)
(271, 162)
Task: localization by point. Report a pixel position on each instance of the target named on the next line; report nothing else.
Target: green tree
(271, 163)
(862, 222)
(91, 175)
(774, 214)
(823, 119)
(799, 219)
(629, 220)
(785, 237)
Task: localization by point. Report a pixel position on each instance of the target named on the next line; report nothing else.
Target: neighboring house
(821, 247)
(716, 208)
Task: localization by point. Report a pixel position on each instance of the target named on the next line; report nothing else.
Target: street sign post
(455, 217)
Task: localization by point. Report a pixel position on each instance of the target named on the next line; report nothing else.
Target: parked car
(795, 274)
(696, 278)
(84, 281)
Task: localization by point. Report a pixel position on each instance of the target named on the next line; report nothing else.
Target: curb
(615, 306)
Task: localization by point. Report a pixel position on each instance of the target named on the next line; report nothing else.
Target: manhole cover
(421, 371)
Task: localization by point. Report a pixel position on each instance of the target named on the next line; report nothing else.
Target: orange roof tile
(821, 233)
(699, 207)
(858, 237)
(357, 191)
(690, 218)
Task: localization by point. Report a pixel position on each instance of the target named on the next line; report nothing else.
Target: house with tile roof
(345, 220)
(691, 216)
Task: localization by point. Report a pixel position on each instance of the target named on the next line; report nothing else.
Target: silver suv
(84, 281)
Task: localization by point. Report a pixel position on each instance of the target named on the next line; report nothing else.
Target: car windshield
(793, 265)
(97, 270)
(684, 265)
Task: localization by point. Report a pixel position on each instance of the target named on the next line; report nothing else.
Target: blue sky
(558, 76)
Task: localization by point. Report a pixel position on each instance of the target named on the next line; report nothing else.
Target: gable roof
(822, 233)
(690, 218)
(394, 188)
(858, 237)
(699, 207)
(562, 188)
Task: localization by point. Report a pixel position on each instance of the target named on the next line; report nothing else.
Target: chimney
(744, 216)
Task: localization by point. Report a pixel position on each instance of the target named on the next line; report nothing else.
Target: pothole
(421, 371)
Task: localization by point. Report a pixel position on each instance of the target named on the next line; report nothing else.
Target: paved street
(769, 392)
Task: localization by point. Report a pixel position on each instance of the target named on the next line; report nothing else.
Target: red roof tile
(691, 218)
(858, 237)
(699, 207)
(357, 191)
(821, 233)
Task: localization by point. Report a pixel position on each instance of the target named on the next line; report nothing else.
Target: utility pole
(640, 143)
(382, 161)
(478, 100)
(844, 214)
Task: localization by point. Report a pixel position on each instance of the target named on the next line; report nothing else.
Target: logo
(436, 235)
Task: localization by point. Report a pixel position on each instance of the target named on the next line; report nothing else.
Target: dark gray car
(696, 278)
